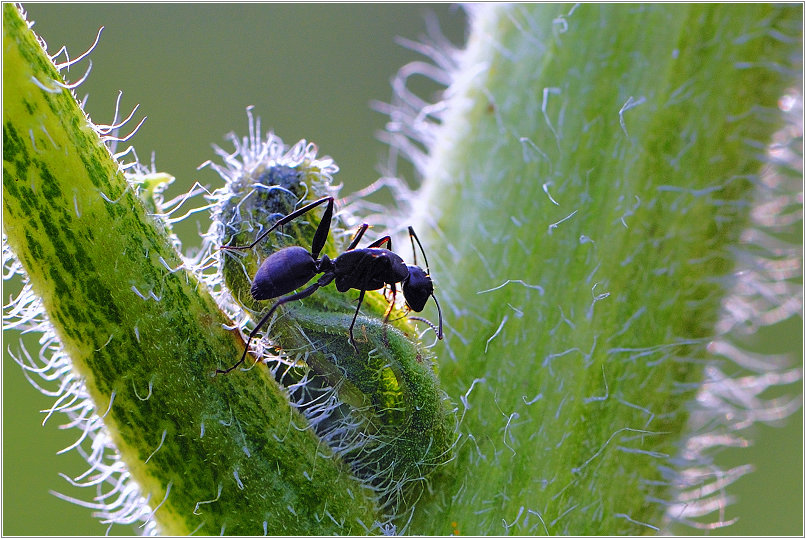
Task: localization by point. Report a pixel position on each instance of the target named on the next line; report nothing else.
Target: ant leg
(321, 231)
(391, 304)
(325, 279)
(405, 314)
(377, 243)
(358, 308)
(248, 341)
(386, 315)
(358, 235)
(320, 237)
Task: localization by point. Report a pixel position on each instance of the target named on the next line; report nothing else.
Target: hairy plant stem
(132, 318)
(586, 188)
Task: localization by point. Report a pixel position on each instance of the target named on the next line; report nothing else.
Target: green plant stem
(135, 324)
(583, 195)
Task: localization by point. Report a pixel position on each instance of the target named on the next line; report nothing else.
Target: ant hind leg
(325, 279)
(358, 308)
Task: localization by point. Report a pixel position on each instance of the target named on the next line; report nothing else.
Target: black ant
(368, 268)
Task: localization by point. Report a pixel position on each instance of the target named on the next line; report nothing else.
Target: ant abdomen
(282, 272)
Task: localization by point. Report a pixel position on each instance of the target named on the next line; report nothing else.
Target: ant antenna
(412, 237)
(426, 321)
(439, 310)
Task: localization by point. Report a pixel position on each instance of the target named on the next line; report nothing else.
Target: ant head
(417, 288)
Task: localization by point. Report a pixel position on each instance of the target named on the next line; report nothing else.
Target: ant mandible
(368, 268)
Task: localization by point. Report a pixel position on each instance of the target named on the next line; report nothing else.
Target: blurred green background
(311, 71)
